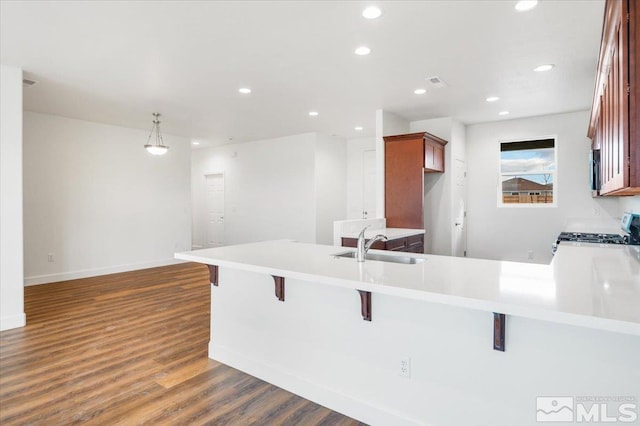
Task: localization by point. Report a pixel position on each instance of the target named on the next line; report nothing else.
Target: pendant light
(157, 148)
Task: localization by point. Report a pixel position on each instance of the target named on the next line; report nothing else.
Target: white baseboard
(360, 410)
(13, 321)
(85, 273)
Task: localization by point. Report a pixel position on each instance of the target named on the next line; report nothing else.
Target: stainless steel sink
(383, 257)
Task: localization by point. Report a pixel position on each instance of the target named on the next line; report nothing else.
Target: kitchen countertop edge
(484, 304)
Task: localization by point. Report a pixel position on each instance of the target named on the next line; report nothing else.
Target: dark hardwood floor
(131, 348)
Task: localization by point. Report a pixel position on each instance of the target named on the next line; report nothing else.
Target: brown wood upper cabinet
(433, 153)
(407, 158)
(615, 119)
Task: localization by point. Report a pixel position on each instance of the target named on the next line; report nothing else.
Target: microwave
(594, 169)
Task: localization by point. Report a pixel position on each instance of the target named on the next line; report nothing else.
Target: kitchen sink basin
(383, 257)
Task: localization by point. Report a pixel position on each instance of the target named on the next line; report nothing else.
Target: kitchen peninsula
(289, 313)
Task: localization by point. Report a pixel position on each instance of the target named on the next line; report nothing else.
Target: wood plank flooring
(131, 348)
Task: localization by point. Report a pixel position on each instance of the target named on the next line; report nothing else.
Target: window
(527, 173)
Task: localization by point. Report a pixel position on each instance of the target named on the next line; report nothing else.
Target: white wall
(509, 233)
(270, 189)
(97, 201)
(387, 124)
(439, 202)
(330, 190)
(440, 127)
(629, 204)
(437, 191)
(11, 256)
(355, 149)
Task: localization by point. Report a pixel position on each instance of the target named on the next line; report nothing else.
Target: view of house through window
(527, 172)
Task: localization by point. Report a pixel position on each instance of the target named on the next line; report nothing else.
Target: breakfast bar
(437, 333)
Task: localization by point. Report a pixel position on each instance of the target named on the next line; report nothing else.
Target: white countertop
(390, 233)
(589, 285)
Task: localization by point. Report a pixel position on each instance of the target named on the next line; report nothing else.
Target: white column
(11, 258)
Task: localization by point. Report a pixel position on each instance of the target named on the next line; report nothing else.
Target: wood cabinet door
(615, 146)
(429, 155)
(610, 123)
(433, 154)
(404, 181)
(634, 96)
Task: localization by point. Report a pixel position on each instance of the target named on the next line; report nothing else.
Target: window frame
(554, 173)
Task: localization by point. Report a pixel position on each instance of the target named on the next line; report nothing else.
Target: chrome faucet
(363, 248)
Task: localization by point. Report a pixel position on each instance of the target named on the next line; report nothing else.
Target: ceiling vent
(435, 81)
(28, 83)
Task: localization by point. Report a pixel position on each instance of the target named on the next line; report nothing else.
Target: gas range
(587, 237)
(630, 223)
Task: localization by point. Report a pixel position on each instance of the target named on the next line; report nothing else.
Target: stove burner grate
(586, 237)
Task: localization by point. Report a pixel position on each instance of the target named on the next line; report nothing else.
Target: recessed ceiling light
(492, 99)
(524, 5)
(503, 113)
(420, 91)
(195, 143)
(313, 113)
(358, 128)
(543, 68)
(363, 50)
(371, 12)
(244, 90)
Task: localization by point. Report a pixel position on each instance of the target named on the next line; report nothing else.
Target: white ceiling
(117, 62)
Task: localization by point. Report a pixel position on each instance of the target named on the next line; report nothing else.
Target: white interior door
(369, 184)
(214, 184)
(460, 209)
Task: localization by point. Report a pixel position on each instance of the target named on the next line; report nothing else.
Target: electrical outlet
(530, 255)
(405, 367)
(50, 257)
